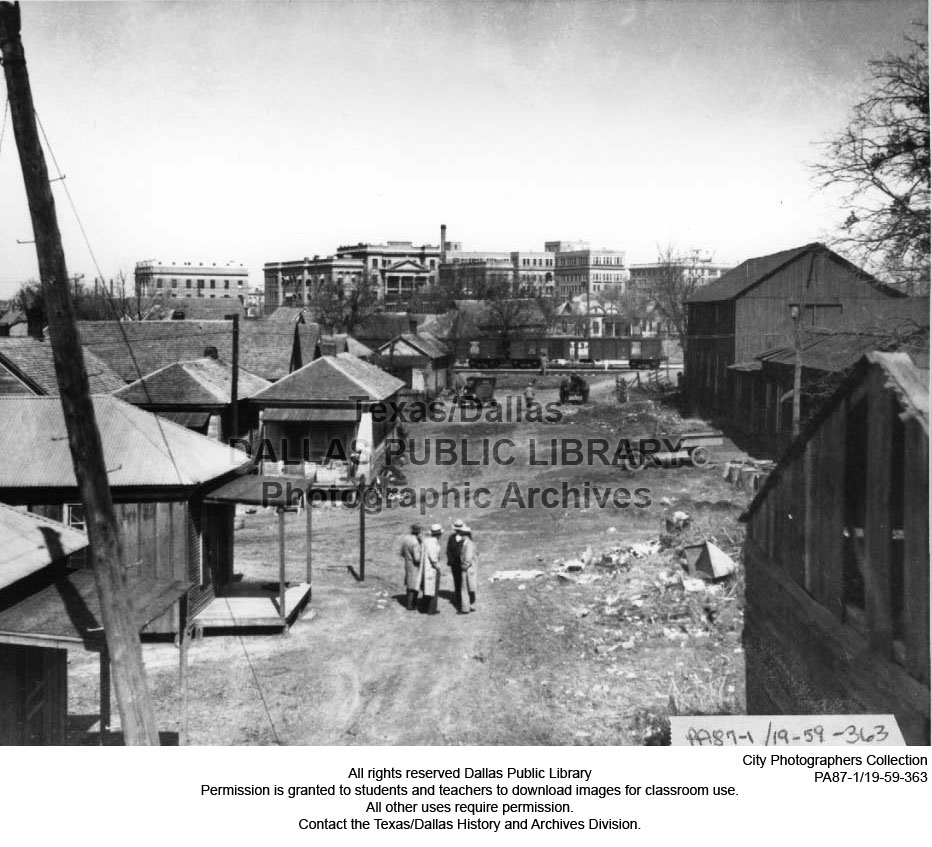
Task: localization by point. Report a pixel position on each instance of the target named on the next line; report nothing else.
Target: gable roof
(907, 376)
(30, 360)
(332, 345)
(203, 382)
(421, 343)
(29, 543)
(136, 348)
(752, 272)
(289, 313)
(331, 379)
(383, 326)
(140, 448)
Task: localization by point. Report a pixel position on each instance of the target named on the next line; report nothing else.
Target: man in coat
(429, 572)
(411, 557)
(454, 545)
(469, 564)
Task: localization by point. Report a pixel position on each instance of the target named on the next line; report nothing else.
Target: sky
(259, 132)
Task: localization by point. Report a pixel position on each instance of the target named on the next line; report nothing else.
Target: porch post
(104, 695)
(281, 562)
(307, 508)
(362, 535)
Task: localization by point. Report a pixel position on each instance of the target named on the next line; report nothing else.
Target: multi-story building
(190, 279)
(533, 272)
(647, 279)
(299, 282)
(587, 271)
(397, 270)
(400, 268)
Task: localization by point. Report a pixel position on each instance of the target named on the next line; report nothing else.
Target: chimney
(412, 324)
(210, 353)
(443, 243)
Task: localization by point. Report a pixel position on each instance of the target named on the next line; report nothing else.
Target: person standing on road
(529, 395)
(411, 557)
(428, 578)
(469, 563)
(454, 561)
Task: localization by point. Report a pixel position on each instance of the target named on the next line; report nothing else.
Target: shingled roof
(30, 360)
(269, 349)
(754, 271)
(203, 382)
(140, 448)
(192, 308)
(330, 379)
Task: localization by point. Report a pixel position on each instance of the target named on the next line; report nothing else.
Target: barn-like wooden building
(837, 556)
(750, 309)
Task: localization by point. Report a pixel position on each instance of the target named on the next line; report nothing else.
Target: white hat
(436, 529)
(458, 523)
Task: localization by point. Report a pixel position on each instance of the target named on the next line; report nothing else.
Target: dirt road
(545, 660)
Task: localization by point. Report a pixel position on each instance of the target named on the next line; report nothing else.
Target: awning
(309, 415)
(275, 491)
(67, 612)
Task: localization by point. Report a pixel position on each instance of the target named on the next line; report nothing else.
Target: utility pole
(123, 645)
(234, 388)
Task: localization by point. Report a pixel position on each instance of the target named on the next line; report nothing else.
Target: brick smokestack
(443, 243)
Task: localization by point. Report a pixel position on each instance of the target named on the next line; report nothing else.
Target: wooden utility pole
(234, 387)
(129, 676)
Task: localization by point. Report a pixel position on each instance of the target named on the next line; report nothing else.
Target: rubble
(515, 574)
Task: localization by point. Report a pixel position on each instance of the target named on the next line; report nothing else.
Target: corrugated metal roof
(331, 379)
(31, 359)
(29, 543)
(140, 448)
(203, 382)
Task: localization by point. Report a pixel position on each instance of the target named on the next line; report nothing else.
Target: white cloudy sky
(263, 131)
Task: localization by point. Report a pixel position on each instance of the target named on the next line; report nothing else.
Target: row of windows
(533, 263)
(176, 283)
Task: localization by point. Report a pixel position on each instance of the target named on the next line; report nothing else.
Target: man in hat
(469, 565)
(428, 578)
(454, 545)
(411, 557)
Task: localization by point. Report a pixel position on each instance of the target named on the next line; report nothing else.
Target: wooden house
(318, 417)
(424, 363)
(198, 395)
(48, 607)
(26, 367)
(837, 556)
(751, 309)
(134, 349)
(159, 474)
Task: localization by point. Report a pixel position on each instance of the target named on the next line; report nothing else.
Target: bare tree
(880, 161)
(676, 280)
(509, 318)
(343, 307)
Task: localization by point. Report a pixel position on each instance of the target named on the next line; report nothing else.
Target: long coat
(411, 556)
(428, 577)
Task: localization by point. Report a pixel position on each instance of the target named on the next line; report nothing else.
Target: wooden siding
(33, 695)
(810, 648)
(727, 332)
(763, 319)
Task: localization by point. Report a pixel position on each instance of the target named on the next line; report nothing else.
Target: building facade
(588, 271)
(300, 282)
(191, 279)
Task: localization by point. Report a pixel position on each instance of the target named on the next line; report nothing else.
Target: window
(226, 283)
(200, 283)
(174, 283)
(213, 283)
(74, 517)
(187, 283)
